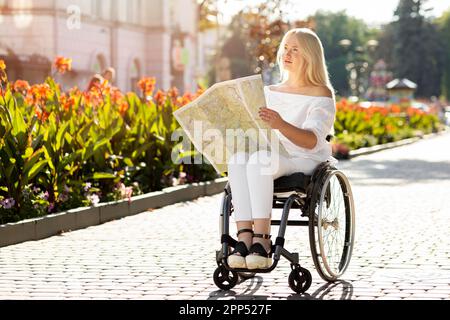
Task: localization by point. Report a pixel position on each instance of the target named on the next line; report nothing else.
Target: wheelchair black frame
(294, 201)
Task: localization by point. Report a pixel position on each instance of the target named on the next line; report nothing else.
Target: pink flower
(94, 199)
(8, 203)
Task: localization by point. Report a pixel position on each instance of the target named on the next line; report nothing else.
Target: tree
(207, 15)
(444, 30)
(332, 27)
(256, 33)
(418, 52)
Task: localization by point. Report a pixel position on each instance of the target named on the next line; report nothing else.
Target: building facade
(137, 38)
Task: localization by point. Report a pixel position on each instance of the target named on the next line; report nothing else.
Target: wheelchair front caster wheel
(225, 279)
(300, 280)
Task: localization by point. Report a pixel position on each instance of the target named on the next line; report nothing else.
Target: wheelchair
(326, 207)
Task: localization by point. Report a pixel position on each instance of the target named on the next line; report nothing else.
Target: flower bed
(359, 127)
(63, 150)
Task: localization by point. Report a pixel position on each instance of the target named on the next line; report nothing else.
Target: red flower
(395, 108)
(63, 64)
(184, 100)
(41, 114)
(160, 98)
(173, 93)
(21, 86)
(147, 86)
(117, 96)
(38, 94)
(67, 102)
(123, 108)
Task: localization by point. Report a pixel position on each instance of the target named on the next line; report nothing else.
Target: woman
(301, 109)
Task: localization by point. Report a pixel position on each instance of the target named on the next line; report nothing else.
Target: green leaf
(103, 175)
(60, 135)
(48, 158)
(128, 162)
(18, 123)
(28, 153)
(100, 143)
(68, 137)
(32, 160)
(37, 168)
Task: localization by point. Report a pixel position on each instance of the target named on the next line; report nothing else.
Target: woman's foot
(236, 260)
(260, 255)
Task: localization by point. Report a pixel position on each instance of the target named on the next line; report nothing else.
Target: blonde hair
(311, 50)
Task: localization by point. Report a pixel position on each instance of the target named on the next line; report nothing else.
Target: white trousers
(252, 181)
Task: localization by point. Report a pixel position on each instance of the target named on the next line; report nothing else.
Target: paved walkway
(402, 247)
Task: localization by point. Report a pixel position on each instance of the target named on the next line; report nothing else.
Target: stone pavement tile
(398, 295)
(387, 298)
(433, 295)
(178, 297)
(442, 287)
(365, 298)
(414, 292)
(417, 298)
(417, 287)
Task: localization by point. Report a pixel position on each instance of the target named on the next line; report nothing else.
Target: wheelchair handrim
(347, 247)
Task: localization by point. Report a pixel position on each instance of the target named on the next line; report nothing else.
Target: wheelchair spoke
(332, 229)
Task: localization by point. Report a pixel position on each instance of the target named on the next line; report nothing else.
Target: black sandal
(258, 248)
(258, 257)
(236, 260)
(241, 247)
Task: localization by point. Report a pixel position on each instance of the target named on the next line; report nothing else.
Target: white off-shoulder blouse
(315, 114)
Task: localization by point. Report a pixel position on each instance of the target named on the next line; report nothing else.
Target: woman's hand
(272, 118)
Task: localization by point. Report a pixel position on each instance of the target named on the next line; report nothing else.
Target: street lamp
(358, 64)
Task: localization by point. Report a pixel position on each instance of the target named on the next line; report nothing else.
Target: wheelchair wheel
(300, 280)
(332, 225)
(224, 279)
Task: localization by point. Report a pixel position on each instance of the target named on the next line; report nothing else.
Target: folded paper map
(225, 120)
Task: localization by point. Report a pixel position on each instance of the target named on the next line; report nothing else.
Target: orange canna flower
(2, 65)
(38, 94)
(21, 86)
(389, 128)
(123, 108)
(117, 96)
(41, 114)
(160, 98)
(67, 102)
(147, 86)
(173, 93)
(395, 108)
(93, 98)
(186, 99)
(63, 64)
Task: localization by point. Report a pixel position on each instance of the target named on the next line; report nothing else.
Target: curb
(381, 147)
(81, 218)
(366, 151)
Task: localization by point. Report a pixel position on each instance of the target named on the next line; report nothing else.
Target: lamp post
(358, 64)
